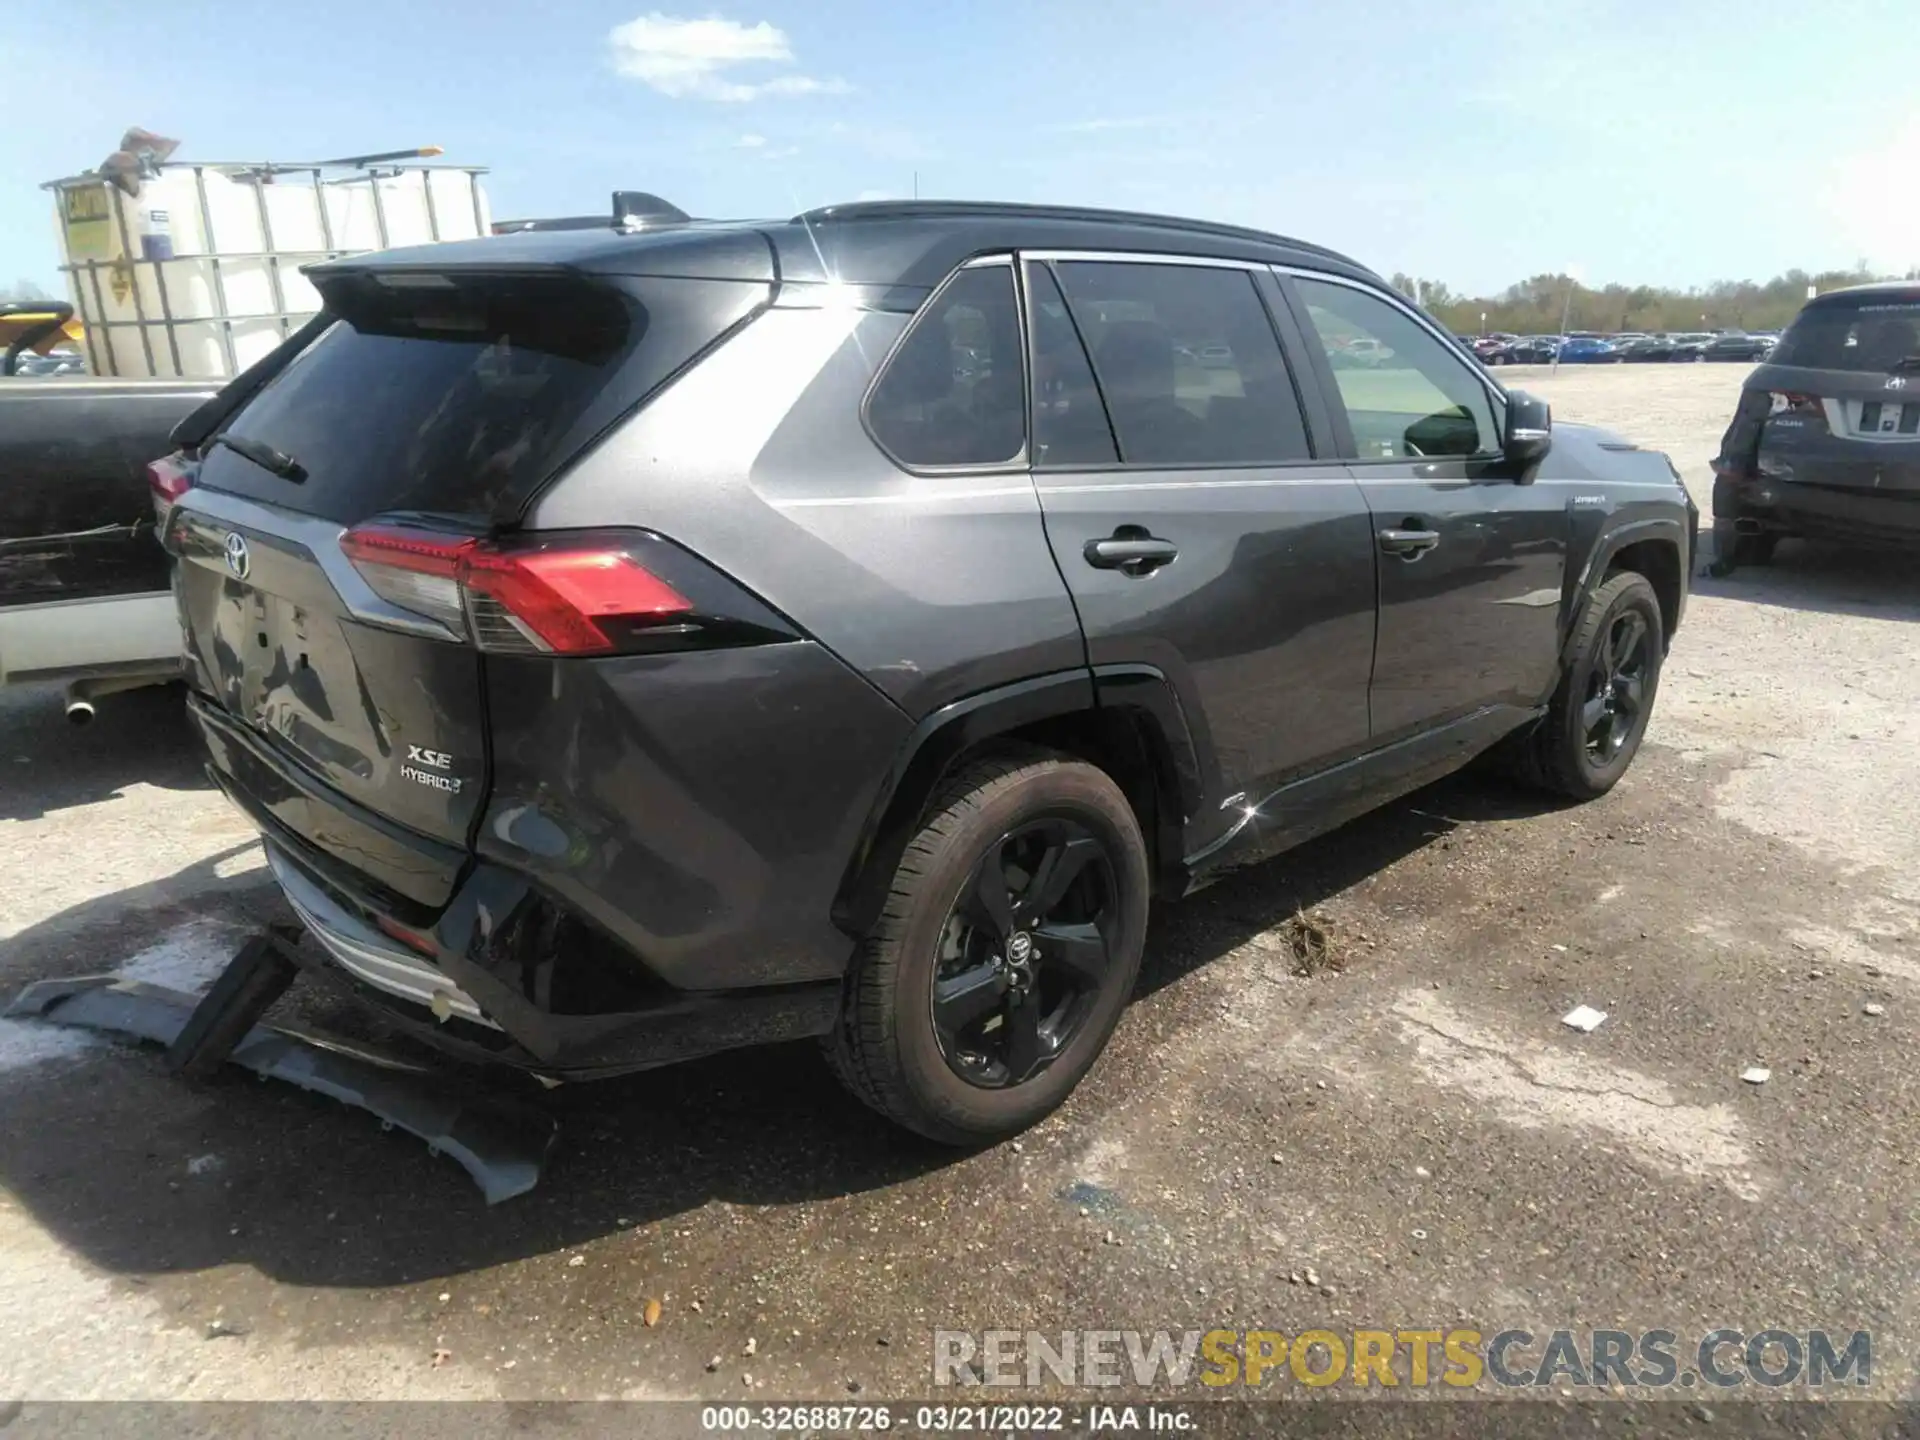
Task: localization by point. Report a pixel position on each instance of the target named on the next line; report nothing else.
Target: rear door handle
(1131, 551)
(1408, 544)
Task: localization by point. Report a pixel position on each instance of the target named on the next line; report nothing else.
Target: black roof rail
(1014, 210)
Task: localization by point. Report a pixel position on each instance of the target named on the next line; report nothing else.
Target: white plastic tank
(199, 274)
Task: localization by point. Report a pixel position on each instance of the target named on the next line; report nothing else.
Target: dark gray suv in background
(1826, 438)
(637, 642)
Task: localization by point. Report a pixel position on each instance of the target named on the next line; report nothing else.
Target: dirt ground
(1413, 1139)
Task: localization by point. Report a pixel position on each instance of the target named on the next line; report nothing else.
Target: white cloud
(750, 142)
(697, 59)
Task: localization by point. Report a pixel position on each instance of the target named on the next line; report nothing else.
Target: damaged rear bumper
(502, 1146)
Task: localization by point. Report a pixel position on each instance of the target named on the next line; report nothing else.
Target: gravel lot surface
(1417, 1130)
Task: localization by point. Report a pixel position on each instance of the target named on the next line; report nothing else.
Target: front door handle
(1408, 544)
(1131, 551)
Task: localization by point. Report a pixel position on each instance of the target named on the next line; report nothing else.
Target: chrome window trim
(1252, 269)
(1141, 257)
(1474, 368)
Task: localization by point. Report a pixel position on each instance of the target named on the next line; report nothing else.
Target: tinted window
(1873, 336)
(1069, 422)
(461, 400)
(1405, 393)
(954, 391)
(1188, 363)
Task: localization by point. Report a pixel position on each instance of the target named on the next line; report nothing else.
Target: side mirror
(1529, 428)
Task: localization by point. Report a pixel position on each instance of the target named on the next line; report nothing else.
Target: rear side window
(1874, 337)
(1188, 363)
(1069, 422)
(460, 399)
(954, 391)
(1405, 393)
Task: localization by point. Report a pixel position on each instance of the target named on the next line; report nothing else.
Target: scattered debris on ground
(1311, 942)
(1583, 1018)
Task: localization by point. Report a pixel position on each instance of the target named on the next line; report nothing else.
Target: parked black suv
(635, 643)
(1825, 440)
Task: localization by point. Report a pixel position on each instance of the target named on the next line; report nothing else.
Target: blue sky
(1472, 142)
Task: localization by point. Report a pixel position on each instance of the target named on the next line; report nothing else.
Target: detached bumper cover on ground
(502, 1146)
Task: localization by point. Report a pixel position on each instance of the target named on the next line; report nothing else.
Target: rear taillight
(171, 476)
(1792, 402)
(563, 596)
(168, 478)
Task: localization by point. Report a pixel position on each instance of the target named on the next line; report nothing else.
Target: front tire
(1006, 950)
(1598, 715)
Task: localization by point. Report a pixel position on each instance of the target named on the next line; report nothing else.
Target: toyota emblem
(239, 557)
(1896, 382)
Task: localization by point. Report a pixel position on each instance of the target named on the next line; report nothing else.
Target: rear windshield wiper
(263, 455)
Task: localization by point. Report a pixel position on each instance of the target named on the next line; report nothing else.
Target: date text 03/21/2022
(988, 1419)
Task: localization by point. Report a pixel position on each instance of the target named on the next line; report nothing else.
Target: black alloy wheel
(1598, 714)
(1024, 953)
(1616, 687)
(1005, 952)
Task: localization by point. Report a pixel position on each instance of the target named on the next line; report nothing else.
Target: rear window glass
(1875, 336)
(460, 400)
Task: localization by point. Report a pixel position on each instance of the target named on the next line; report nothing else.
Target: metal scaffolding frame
(82, 275)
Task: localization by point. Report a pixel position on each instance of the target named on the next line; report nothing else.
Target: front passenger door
(1472, 557)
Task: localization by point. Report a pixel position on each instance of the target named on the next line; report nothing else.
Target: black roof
(893, 244)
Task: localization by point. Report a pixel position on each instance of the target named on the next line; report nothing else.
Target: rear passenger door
(1196, 528)
(1472, 553)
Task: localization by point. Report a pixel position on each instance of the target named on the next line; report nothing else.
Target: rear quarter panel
(932, 587)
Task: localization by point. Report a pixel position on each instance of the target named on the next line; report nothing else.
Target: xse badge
(413, 770)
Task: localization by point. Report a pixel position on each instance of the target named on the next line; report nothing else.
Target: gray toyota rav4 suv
(639, 641)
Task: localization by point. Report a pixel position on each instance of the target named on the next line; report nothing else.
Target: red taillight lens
(562, 598)
(170, 477)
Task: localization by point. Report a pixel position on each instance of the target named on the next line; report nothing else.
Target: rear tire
(1598, 715)
(897, 1046)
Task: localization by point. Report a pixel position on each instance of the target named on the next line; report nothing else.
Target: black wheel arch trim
(1606, 547)
(1140, 695)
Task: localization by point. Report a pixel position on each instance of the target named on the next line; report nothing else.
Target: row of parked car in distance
(1587, 348)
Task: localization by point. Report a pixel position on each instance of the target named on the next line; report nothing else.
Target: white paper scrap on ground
(1583, 1018)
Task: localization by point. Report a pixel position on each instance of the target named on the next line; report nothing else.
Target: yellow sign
(86, 211)
(120, 280)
